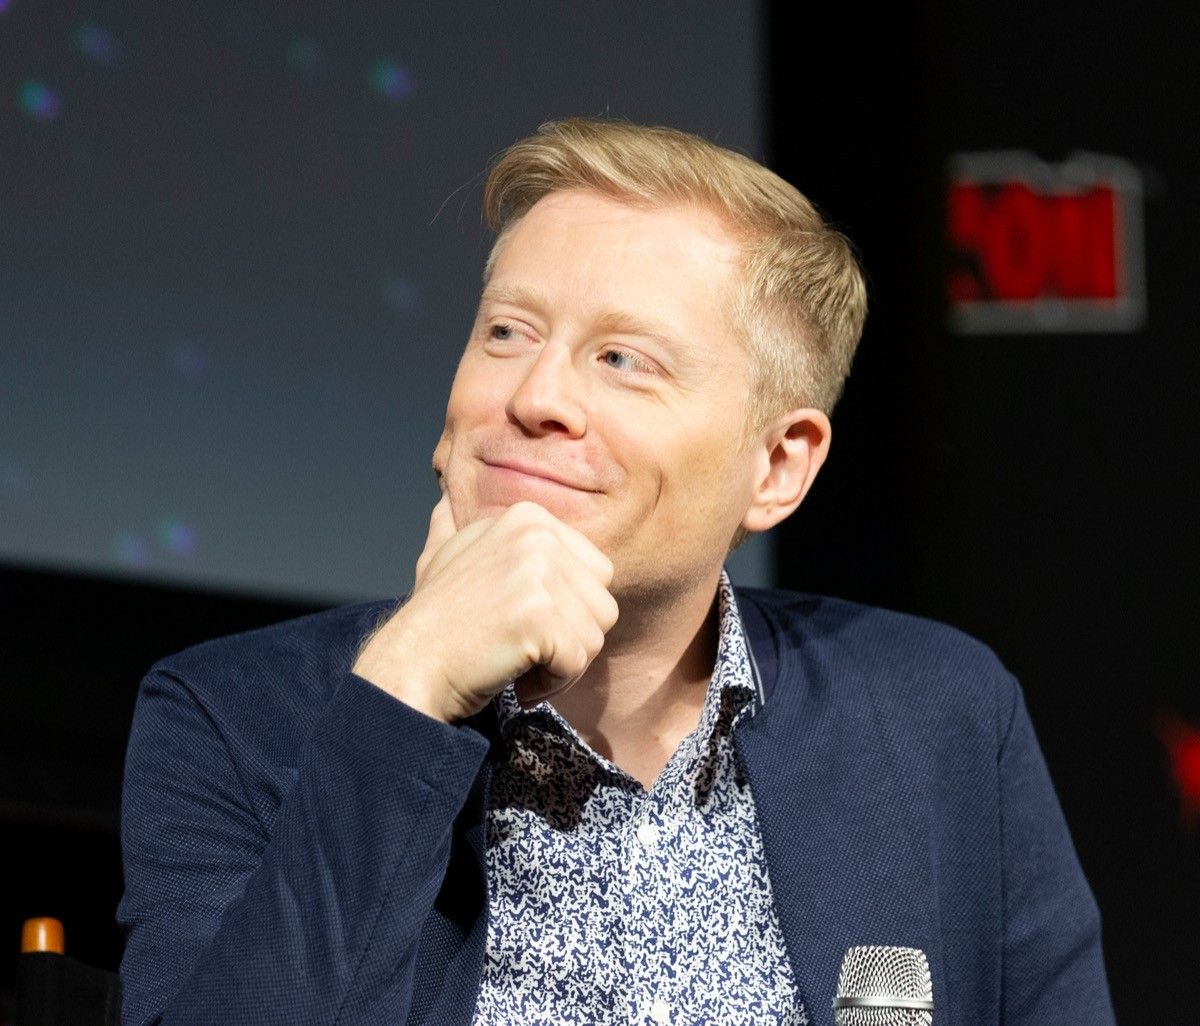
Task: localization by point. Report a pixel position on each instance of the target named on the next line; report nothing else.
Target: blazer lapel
(847, 849)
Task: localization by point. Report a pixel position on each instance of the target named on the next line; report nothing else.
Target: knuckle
(531, 537)
(533, 548)
(594, 643)
(534, 606)
(578, 662)
(531, 652)
(524, 512)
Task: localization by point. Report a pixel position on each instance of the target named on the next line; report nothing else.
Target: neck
(642, 695)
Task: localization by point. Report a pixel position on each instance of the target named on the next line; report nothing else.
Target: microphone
(884, 986)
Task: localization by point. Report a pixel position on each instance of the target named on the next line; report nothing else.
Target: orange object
(43, 934)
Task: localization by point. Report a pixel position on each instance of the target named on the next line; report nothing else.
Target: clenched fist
(503, 596)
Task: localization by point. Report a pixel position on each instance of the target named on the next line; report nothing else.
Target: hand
(501, 597)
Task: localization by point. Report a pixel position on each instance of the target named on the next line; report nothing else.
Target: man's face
(603, 381)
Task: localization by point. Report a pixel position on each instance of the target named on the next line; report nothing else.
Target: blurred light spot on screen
(98, 45)
(400, 295)
(190, 363)
(306, 57)
(39, 101)
(177, 538)
(132, 550)
(4, 6)
(390, 80)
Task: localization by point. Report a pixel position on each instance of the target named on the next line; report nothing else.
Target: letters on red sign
(1019, 245)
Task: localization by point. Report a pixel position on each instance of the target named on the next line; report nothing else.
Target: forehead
(590, 252)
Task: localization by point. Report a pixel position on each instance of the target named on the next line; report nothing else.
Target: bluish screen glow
(243, 249)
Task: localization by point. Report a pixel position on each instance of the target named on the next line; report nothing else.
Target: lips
(534, 470)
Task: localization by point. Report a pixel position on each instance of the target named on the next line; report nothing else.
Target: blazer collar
(847, 848)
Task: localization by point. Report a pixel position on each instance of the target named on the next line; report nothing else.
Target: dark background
(1039, 492)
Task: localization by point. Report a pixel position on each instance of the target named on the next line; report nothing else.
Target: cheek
(632, 454)
(671, 474)
(708, 488)
(482, 383)
(474, 399)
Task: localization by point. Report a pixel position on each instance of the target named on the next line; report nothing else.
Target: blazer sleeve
(1053, 969)
(233, 916)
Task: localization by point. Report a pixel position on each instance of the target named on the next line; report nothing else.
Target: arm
(1053, 965)
(234, 916)
(303, 900)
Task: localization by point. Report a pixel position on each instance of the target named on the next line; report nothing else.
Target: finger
(572, 639)
(597, 599)
(441, 530)
(578, 544)
(572, 635)
(441, 520)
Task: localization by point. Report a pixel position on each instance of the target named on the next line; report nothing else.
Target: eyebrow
(617, 322)
(517, 295)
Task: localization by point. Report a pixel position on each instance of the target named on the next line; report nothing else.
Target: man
(575, 777)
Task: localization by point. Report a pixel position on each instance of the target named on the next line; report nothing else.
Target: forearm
(237, 917)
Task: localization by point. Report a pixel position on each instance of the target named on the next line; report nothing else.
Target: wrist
(397, 670)
(423, 696)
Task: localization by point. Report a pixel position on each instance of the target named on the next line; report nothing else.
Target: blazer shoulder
(911, 666)
(308, 652)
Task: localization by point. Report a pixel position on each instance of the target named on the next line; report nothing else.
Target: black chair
(54, 989)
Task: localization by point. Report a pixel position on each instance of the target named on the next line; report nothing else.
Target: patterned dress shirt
(608, 903)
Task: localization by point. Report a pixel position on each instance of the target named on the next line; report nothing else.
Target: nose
(547, 399)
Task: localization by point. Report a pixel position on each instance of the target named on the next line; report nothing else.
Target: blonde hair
(801, 302)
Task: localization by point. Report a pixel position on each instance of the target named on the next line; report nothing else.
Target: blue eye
(501, 332)
(618, 360)
(623, 361)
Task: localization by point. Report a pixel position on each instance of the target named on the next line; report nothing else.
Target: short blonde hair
(801, 302)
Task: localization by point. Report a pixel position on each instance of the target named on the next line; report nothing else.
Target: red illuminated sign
(1039, 247)
(1182, 742)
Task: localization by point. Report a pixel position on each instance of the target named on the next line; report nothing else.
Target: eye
(620, 360)
(503, 338)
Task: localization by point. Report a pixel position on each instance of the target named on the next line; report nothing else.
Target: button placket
(647, 834)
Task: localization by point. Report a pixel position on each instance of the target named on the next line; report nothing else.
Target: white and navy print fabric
(608, 903)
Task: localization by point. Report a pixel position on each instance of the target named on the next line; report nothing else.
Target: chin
(569, 506)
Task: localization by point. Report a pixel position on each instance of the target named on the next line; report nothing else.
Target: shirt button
(660, 1011)
(647, 833)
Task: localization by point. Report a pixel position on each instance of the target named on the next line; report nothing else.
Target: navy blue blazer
(300, 847)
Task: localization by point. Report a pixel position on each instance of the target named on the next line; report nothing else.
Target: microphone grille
(884, 986)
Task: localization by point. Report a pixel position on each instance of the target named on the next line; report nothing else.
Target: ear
(789, 453)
